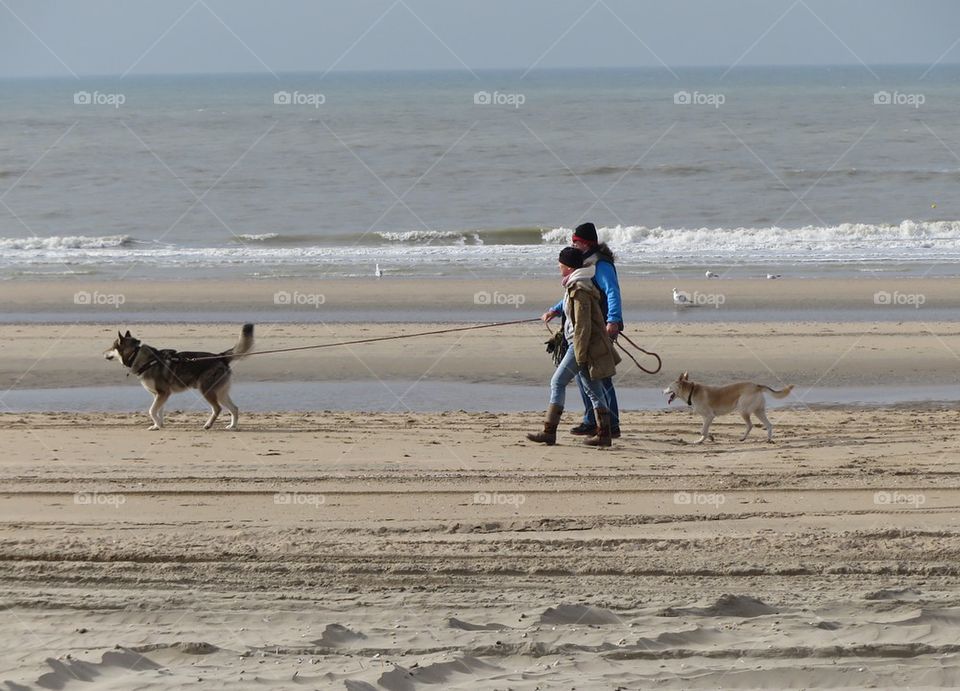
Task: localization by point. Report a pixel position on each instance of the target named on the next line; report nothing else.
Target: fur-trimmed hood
(601, 251)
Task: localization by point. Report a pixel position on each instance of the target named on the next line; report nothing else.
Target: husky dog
(165, 372)
(710, 401)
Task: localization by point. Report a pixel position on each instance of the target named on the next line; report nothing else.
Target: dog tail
(782, 393)
(243, 346)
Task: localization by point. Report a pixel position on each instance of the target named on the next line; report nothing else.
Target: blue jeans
(567, 370)
(589, 418)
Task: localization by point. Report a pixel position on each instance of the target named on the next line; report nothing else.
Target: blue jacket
(606, 280)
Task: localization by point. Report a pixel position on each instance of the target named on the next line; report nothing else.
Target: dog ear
(683, 377)
(128, 334)
(119, 335)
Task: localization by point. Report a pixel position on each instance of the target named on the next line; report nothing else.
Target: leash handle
(646, 352)
(628, 353)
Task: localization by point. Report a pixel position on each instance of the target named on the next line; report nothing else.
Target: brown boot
(549, 434)
(602, 437)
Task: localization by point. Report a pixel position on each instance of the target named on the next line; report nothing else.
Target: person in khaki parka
(590, 354)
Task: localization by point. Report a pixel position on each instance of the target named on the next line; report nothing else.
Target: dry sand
(441, 551)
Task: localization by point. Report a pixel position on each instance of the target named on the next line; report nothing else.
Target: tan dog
(710, 401)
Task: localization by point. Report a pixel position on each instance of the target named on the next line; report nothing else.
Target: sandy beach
(364, 550)
(425, 551)
(406, 550)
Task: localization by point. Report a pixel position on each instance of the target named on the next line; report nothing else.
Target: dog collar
(133, 358)
(143, 368)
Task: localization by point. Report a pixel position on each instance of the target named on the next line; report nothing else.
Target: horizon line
(453, 70)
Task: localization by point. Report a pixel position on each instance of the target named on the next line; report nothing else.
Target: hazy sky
(61, 37)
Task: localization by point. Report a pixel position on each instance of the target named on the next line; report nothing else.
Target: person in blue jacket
(601, 256)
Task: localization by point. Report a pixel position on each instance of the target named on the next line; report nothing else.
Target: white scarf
(584, 274)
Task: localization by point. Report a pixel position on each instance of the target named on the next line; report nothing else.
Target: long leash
(436, 332)
(370, 340)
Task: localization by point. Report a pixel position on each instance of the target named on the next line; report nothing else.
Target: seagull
(710, 274)
(681, 298)
(377, 272)
(771, 277)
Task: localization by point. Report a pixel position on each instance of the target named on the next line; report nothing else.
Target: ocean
(797, 171)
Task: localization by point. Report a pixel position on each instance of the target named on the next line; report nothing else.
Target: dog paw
(231, 426)
(153, 428)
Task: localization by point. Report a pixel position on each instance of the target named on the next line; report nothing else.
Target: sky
(66, 38)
